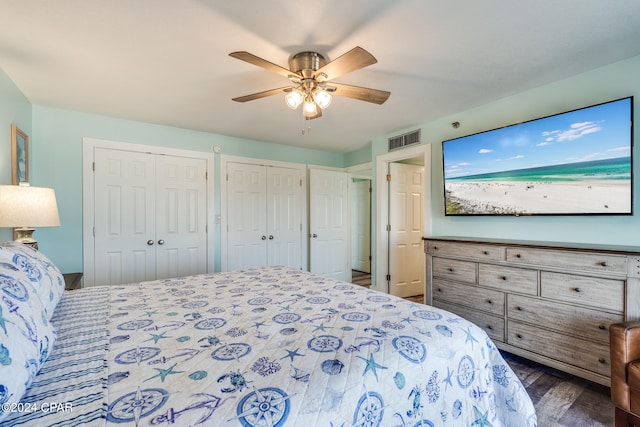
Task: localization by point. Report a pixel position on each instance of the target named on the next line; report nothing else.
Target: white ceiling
(166, 61)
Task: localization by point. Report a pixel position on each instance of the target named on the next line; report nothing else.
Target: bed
(261, 347)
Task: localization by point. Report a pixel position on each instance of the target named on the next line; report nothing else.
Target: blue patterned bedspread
(279, 347)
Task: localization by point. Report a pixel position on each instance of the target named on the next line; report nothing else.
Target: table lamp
(23, 207)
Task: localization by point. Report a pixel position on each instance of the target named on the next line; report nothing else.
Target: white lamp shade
(26, 206)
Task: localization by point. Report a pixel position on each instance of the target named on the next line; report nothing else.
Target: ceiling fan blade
(264, 94)
(362, 93)
(256, 60)
(353, 60)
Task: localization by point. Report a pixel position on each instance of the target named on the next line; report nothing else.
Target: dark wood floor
(561, 400)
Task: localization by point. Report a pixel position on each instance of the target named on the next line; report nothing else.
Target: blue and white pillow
(26, 336)
(41, 272)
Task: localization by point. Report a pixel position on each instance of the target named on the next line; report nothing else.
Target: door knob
(263, 238)
(314, 235)
(150, 242)
(161, 242)
(270, 237)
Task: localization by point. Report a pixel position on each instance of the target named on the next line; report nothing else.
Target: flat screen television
(573, 163)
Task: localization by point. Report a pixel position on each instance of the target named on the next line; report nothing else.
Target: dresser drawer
(579, 321)
(510, 279)
(616, 264)
(492, 325)
(607, 294)
(574, 351)
(464, 250)
(469, 296)
(463, 271)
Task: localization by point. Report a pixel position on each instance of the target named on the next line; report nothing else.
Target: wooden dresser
(547, 303)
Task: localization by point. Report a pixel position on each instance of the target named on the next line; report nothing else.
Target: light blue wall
(358, 157)
(14, 109)
(57, 162)
(607, 83)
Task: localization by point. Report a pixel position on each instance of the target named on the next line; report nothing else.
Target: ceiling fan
(309, 74)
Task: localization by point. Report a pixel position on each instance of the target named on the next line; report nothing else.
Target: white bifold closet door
(264, 224)
(150, 216)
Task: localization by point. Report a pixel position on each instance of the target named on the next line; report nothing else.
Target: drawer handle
(489, 301)
(578, 290)
(519, 308)
(439, 289)
(519, 336)
(451, 269)
(504, 277)
(489, 327)
(602, 327)
(485, 252)
(435, 248)
(518, 256)
(603, 263)
(601, 360)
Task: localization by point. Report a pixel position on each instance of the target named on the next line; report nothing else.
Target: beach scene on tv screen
(577, 162)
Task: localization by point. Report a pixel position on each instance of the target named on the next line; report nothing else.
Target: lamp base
(25, 236)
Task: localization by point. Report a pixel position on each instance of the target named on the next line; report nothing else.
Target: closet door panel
(246, 216)
(284, 229)
(124, 201)
(181, 234)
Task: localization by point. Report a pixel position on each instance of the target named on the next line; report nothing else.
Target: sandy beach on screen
(509, 197)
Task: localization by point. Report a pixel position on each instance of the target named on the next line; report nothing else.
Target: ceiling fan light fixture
(294, 99)
(323, 98)
(310, 108)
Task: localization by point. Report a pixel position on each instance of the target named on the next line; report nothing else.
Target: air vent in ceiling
(404, 140)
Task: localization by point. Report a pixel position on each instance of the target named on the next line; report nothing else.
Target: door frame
(89, 145)
(381, 248)
(224, 161)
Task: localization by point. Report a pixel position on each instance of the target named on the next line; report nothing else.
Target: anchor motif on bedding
(330, 313)
(171, 326)
(31, 330)
(377, 332)
(296, 298)
(209, 406)
(368, 341)
(187, 353)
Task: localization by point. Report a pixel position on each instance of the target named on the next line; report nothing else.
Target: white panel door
(150, 216)
(284, 223)
(124, 217)
(330, 246)
(181, 216)
(406, 255)
(361, 225)
(246, 216)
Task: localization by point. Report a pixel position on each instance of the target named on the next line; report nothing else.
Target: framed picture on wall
(19, 156)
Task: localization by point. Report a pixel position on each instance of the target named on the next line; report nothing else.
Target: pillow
(26, 336)
(43, 274)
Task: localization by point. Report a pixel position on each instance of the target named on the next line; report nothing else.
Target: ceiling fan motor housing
(306, 63)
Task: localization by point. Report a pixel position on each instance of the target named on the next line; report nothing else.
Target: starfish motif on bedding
(157, 337)
(481, 419)
(371, 366)
(470, 337)
(163, 373)
(292, 354)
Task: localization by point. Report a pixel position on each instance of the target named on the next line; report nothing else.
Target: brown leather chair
(624, 341)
